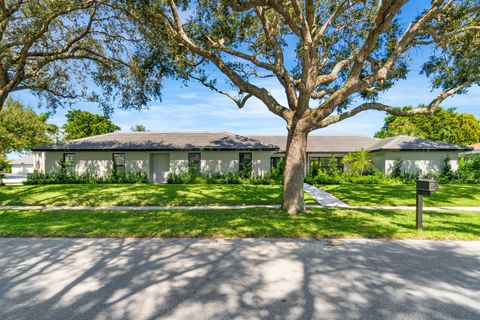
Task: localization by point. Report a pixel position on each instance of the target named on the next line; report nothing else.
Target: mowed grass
(142, 195)
(462, 195)
(317, 223)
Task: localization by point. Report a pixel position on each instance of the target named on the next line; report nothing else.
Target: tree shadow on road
(249, 278)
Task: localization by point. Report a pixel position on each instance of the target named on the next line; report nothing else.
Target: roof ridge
(389, 142)
(185, 131)
(89, 137)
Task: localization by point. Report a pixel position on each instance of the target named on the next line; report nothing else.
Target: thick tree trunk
(294, 175)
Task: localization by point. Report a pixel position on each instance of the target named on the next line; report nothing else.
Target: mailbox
(424, 187)
(427, 185)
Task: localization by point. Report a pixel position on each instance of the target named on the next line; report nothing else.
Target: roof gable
(408, 143)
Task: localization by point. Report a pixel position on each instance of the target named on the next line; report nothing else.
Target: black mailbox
(427, 185)
(424, 187)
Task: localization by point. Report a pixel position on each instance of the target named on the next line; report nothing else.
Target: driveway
(238, 279)
(14, 178)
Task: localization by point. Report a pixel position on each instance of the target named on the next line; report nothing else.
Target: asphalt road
(238, 279)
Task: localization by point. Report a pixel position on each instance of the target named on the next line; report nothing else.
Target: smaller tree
(138, 128)
(444, 125)
(4, 164)
(81, 124)
(20, 130)
(359, 161)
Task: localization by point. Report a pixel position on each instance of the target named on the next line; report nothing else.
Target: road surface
(238, 279)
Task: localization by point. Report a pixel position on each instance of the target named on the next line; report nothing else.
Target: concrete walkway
(322, 197)
(146, 279)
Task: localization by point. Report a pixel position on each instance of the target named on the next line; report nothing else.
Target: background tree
(81, 124)
(21, 129)
(138, 128)
(444, 125)
(52, 47)
(332, 58)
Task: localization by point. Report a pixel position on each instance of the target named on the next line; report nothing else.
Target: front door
(159, 167)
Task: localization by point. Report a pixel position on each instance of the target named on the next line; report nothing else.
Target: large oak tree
(63, 50)
(332, 58)
(325, 54)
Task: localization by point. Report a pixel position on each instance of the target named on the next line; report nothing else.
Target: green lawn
(141, 195)
(318, 223)
(404, 195)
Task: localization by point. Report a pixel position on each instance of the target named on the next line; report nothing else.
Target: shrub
(61, 176)
(323, 177)
(274, 176)
(469, 169)
(447, 171)
(397, 169)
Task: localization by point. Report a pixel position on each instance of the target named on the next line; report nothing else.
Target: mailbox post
(424, 188)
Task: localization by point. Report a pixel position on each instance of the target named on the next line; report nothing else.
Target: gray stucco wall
(101, 161)
(418, 161)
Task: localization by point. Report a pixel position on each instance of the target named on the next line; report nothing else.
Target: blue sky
(197, 108)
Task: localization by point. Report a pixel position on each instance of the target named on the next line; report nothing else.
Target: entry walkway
(322, 197)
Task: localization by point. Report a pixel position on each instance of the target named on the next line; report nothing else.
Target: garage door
(159, 167)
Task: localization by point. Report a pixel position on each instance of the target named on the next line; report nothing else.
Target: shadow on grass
(404, 195)
(140, 194)
(260, 222)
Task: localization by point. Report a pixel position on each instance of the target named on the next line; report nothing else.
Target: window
(194, 162)
(321, 163)
(69, 161)
(119, 162)
(276, 162)
(245, 164)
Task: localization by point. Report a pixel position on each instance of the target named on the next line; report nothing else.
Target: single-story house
(23, 165)
(473, 153)
(418, 155)
(159, 153)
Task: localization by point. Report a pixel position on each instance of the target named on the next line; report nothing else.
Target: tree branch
(430, 108)
(240, 101)
(261, 93)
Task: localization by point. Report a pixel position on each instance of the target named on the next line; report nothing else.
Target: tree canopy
(81, 124)
(444, 125)
(138, 128)
(64, 50)
(21, 128)
(332, 58)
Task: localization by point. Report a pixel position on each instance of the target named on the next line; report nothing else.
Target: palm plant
(359, 161)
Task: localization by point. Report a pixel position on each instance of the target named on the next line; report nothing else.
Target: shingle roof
(197, 141)
(407, 143)
(327, 144)
(24, 160)
(343, 144)
(161, 141)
